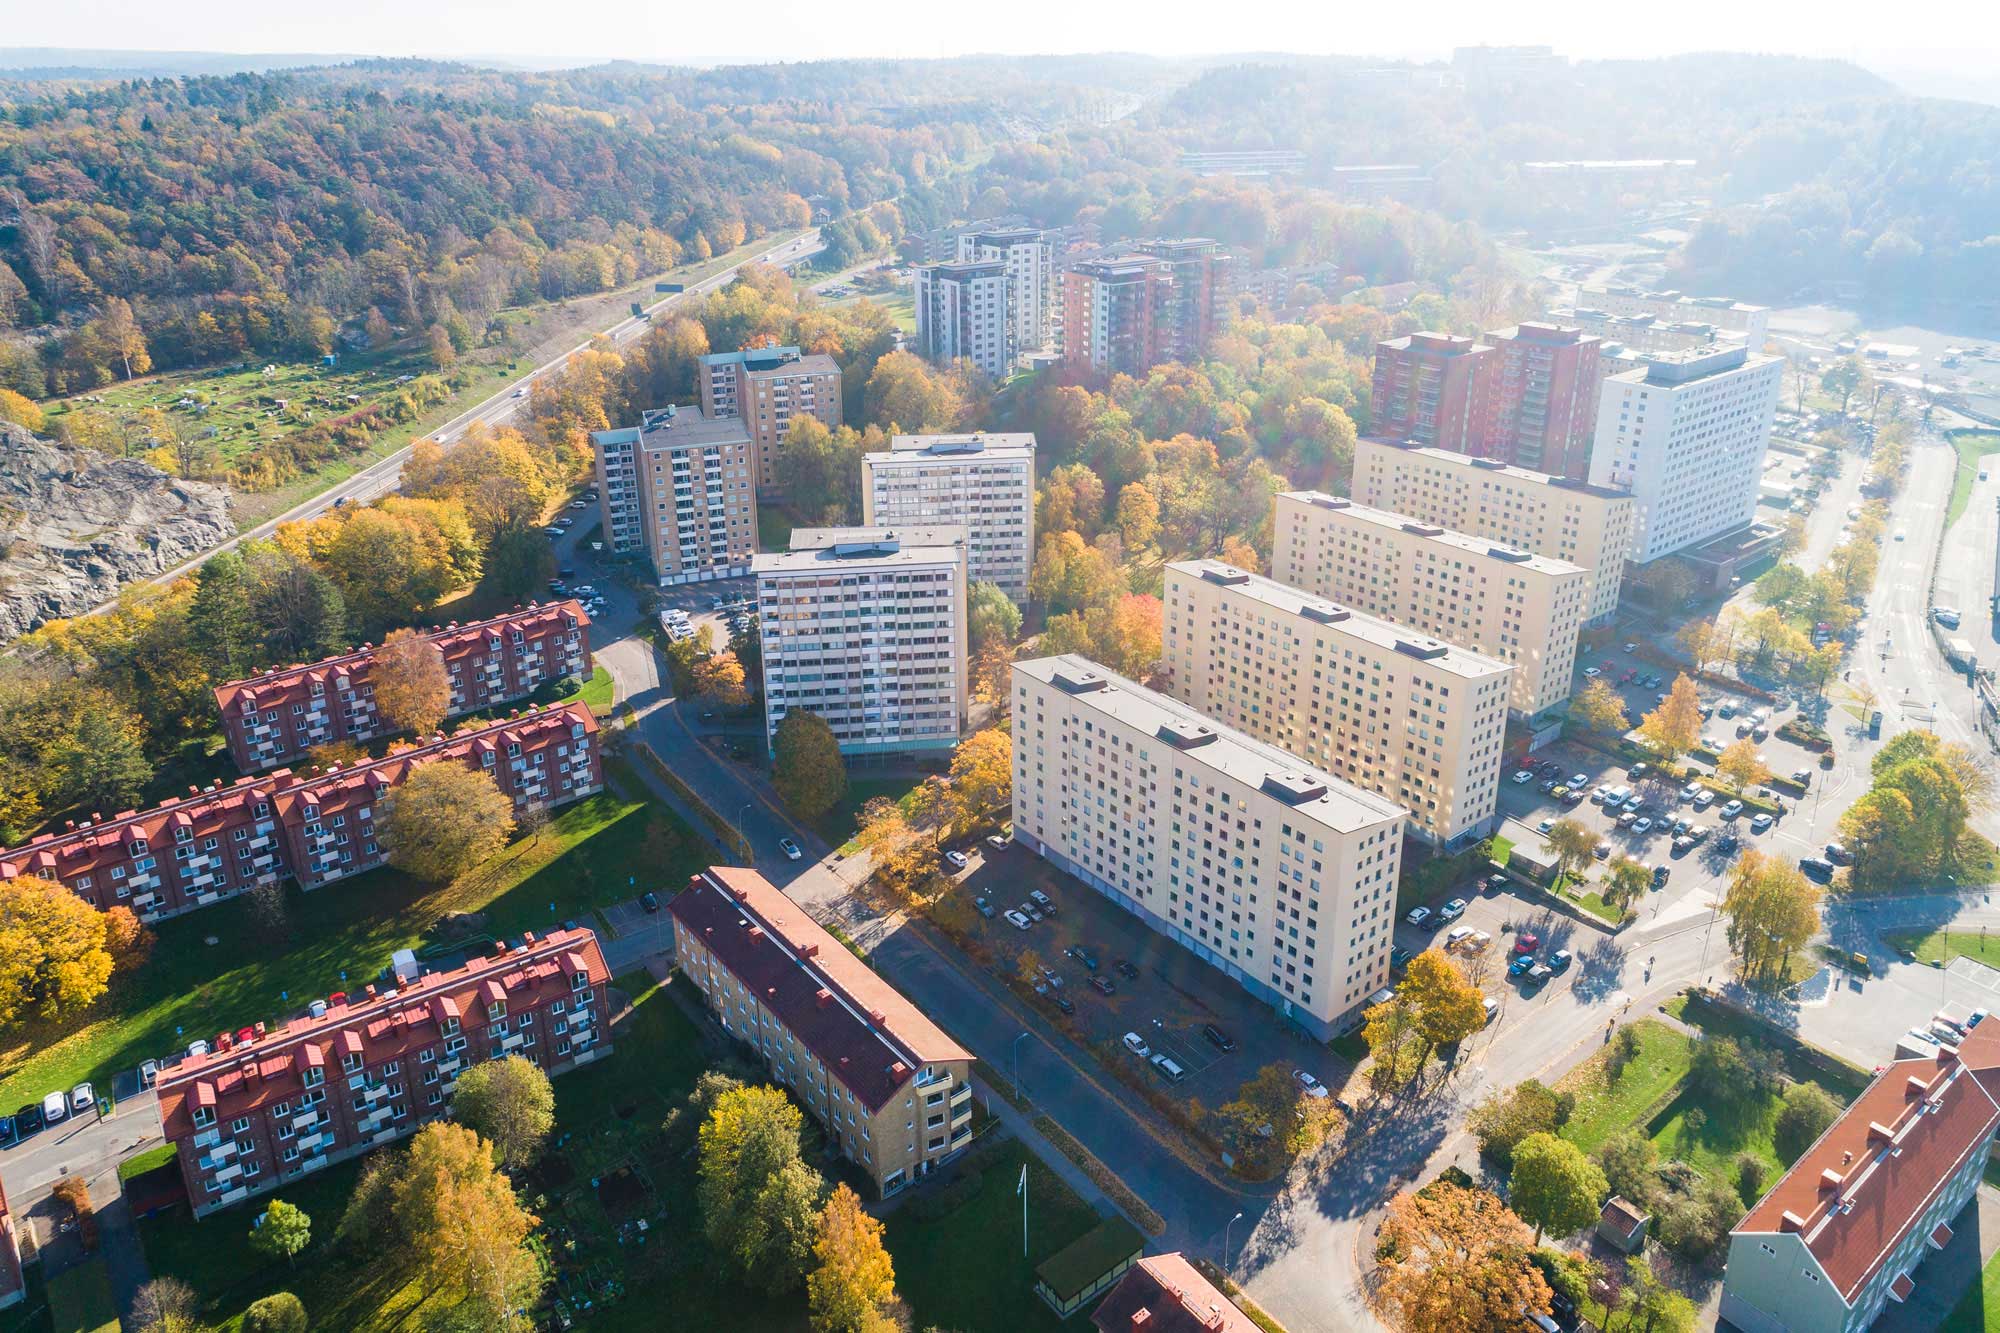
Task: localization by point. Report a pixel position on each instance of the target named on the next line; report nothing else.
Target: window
(203, 1117)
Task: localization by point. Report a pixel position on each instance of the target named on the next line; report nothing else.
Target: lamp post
(1019, 1091)
(742, 833)
(1225, 1241)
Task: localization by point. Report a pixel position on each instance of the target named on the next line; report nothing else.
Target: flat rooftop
(1494, 467)
(676, 428)
(914, 448)
(1384, 634)
(1479, 547)
(818, 550)
(1691, 364)
(1205, 743)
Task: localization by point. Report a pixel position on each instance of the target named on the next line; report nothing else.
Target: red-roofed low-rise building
(1165, 1294)
(215, 844)
(1845, 1230)
(276, 717)
(893, 1091)
(358, 1071)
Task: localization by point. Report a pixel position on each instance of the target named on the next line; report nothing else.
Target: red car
(1527, 943)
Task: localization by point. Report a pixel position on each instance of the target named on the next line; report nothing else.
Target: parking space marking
(1978, 973)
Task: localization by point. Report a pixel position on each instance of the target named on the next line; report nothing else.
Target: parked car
(1042, 901)
(82, 1098)
(1452, 910)
(1692, 790)
(1419, 917)
(1124, 968)
(1642, 825)
(1016, 920)
(28, 1120)
(1578, 780)
(1560, 960)
(1137, 1045)
(1704, 799)
(1519, 967)
(957, 859)
(1496, 881)
(790, 849)
(1526, 943)
(8, 1135)
(1761, 822)
(1523, 777)
(1217, 1038)
(1399, 956)
(1313, 1087)
(1602, 851)
(1083, 955)
(1103, 986)
(1168, 1068)
(983, 907)
(999, 842)
(55, 1107)
(1458, 936)
(1064, 1003)
(650, 901)
(149, 1073)
(1492, 1009)
(1817, 868)
(1592, 672)
(1538, 975)
(1838, 854)
(1030, 911)
(1733, 809)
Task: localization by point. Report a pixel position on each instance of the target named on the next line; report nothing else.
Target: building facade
(866, 627)
(766, 387)
(1686, 434)
(962, 314)
(982, 483)
(1164, 1293)
(1274, 872)
(1202, 277)
(680, 489)
(1546, 381)
(1409, 718)
(218, 843)
(1434, 388)
(1645, 333)
(1522, 608)
(1751, 322)
(1566, 520)
(1844, 1233)
(1029, 257)
(893, 1092)
(1117, 315)
(276, 717)
(267, 1106)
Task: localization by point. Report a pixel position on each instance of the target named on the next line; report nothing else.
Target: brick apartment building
(217, 843)
(269, 1105)
(864, 1060)
(276, 717)
(766, 387)
(1526, 394)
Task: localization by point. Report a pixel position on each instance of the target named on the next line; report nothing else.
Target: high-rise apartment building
(1117, 314)
(1198, 303)
(892, 1091)
(962, 314)
(1407, 717)
(1686, 433)
(1544, 398)
(766, 387)
(1644, 333)
(1275, 872)
(276, 717)
(866, 627)
(1522, 608)
(1566, 520)
(359, 1070)
(679, 488)
(1750, 321)
(982, 483)
(1434, 388)
(1029, 256)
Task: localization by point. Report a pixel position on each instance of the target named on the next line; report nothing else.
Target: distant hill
(29, 64)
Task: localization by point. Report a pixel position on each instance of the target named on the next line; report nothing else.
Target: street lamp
(1225, 1240)
(1019, 1091)
(742, 832)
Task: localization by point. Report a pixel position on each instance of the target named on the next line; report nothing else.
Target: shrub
(1694, 1224)
(280, 1312)
(1807, 1112)
(1750, 1172)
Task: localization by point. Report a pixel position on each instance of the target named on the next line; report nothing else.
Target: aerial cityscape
(813, 686)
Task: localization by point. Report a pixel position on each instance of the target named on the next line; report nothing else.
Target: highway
(384, 476)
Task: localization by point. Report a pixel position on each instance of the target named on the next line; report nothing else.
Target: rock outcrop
(75, 527)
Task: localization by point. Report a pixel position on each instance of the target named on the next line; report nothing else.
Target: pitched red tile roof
(866, 1033)
(1855, 1194)
(384, 1026)
(1164, 1294)
(1621, 1215)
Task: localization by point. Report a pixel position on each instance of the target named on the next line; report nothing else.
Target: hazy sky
(1940, 34)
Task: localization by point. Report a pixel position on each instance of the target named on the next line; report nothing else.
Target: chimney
(1830, 1180)
(809, 951)
(1915, 1088)
(897, 1069)
(1142, 1318)
(1880, 1133)
(822, 997)
(1791, 1221)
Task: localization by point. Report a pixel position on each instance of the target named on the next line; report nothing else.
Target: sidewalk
(1021, 1126)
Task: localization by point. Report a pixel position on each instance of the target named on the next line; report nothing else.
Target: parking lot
(1164, 995)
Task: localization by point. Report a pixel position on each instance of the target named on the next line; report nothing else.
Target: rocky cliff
(76, 526)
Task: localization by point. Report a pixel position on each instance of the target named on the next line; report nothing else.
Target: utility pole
(1022, 1190)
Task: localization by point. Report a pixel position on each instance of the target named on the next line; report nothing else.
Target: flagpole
(1022, 1190)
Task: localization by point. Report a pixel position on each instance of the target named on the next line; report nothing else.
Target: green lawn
(1972, 446)
(1978, 1311)
(774, 528)
(1803, 1063)
(80, 1300)
(838, 825)
(1604, 1107)
(596, 693)
(594, 852)
(1941, 946)
(1727, 1129)
(965, 1271)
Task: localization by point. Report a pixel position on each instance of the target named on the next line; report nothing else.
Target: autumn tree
(1553, 1186)
(806, 766)
(1599, 707)
(1708, 642)
(1740, 765)
(1674, 728)
(982, 776)
(852, 1287)
(1573, 844)
(1455, 1260)
(509, 1103)
(412, 690)
(443, 820)
(760, 1202)
(53, 956)
(1138, 515)
(282, 1231)
(720, 678)
(1773, 910)
(464, 1231)
(1273, 1119)
(280, 1312)
(1626, 882)
(1448, 1007)
(167, 1305)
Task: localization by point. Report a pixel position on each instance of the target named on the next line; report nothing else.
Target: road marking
(1978, 973)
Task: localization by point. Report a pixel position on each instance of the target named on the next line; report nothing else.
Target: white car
(82, 1098)
(1313, 1087)
(55, 1107)
(1523, 777)
(1137, 1045)
(1733, 809)
(1760, 823)
(1015, 919)
(1704, 799)
(1593, 672)
(790, 849)
(958, 860)
(1457, 937)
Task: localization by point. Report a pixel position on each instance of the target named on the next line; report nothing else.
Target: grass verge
(80, 1300)
(1972, 446)
(1606, 1105)
(1102, 1176)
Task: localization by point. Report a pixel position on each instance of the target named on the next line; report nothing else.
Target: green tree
(1629, 1162)
(806, 765)
(225, 633)
(760, 1202)
(1554, 1187)
(282, 1231)
(991, 615)
(519, 562)
(1808, 1112)
(102, 765)
(280, 1312)
(1573, 845)
(299, 611)
(1626, 882)
(1651, 1306)
(1504, 1119)
(509, 1103)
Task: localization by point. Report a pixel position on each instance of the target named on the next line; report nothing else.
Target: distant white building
(962, 314)
(1031, 282)
(983, 483)
(1685, 433)
(1751, 321)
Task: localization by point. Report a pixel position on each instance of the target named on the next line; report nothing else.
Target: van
(1168, 1070)
(1041, 900)
(1492, 1008)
